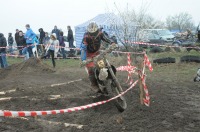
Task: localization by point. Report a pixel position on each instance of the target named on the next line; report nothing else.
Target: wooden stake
(140, 83)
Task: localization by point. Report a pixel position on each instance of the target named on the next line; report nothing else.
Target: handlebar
(108, 50)
(102, 54)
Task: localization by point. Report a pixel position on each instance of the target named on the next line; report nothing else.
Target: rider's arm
(83, 52)
(84, 48)
(105, 38)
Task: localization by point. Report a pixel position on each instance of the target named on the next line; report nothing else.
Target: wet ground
(32, 86)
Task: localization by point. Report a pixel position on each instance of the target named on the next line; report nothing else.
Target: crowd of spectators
(29, 44)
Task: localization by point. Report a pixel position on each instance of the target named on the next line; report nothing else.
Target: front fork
(114, 77)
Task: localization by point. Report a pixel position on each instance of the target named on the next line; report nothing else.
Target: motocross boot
(94, 84)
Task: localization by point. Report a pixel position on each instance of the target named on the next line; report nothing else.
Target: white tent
(103, 20)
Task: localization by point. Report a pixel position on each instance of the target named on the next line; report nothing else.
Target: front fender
(96, 71)
(113, 69)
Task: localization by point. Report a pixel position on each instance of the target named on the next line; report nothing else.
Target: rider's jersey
(93, 41)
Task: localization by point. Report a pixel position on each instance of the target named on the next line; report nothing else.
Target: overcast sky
(47, 13)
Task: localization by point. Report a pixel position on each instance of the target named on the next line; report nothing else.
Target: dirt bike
(105, 74)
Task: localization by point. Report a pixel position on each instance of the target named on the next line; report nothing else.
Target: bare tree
(128, 22)
(180, 21)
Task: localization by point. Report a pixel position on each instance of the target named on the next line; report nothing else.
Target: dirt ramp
(32, 65)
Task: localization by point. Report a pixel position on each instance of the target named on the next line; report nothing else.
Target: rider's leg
(91, 74)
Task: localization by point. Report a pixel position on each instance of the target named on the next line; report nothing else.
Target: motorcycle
(105, 74)
(185, 42)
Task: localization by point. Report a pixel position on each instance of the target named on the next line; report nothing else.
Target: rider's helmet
(92, 27)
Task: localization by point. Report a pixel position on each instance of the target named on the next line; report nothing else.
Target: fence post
(141, 66)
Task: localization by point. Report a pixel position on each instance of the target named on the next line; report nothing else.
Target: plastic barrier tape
(53, 112)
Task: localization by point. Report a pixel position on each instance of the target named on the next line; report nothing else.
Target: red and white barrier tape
(129, 68)
(146, 100)
(139, 43)
(136, 53)
(22, 56)
(28, 45)
(18, 56)
(147, 62)
(159, 45)
(53, 112)
(67, 58)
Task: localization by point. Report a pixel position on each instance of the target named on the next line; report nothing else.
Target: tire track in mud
(72, 91)
(174, 103)
(71, 95)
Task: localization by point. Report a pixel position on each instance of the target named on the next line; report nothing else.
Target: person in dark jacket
(113, 37)
(62, 44)
(56, 31)
(46, 39)
(17, 36)
(45, 42)
(42, 35)
(70, 38)
(10, 43)
(3, 44)
(21, 42)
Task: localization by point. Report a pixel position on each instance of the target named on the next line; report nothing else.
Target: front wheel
(113, 91)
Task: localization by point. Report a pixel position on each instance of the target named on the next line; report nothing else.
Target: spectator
(70, 39)
(113, 37)
(187, 34)
(56, 31)
(17, 36)
(21, 42)
(34, 47)
(45, 41)
(23, 49)
(10, 43)
(29, 36)
(42, 35)
(52, 48)
(3, 45)
(62, 45)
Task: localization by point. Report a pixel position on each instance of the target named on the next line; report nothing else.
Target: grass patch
(59, 63)
(63, 63)
(176, 55)
(13, 60)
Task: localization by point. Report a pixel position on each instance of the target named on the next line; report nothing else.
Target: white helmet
(92, 27)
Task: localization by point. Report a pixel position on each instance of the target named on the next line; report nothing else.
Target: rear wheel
(113, 91)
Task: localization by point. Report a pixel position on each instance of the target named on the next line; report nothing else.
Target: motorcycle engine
(103, 74)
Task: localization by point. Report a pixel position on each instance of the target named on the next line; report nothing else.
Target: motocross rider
(90, 47)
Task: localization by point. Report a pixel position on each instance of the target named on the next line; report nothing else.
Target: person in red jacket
(90, 48)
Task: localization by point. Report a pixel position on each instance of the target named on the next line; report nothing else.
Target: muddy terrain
(33, 85)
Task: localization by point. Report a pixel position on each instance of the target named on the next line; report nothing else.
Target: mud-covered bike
(108, 84)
